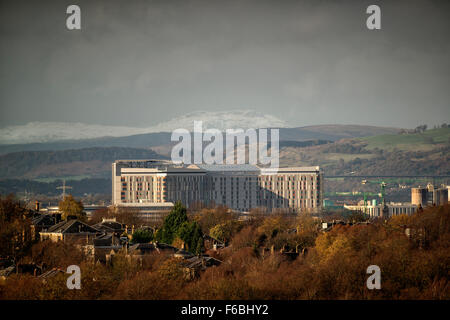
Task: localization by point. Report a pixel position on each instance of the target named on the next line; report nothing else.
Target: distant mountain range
(43, 132)
(93, 157)
(150, 140)
(52, 150)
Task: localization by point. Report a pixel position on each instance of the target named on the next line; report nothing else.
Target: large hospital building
(157, 183)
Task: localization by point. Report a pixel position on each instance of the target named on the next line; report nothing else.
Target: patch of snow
(35, 132)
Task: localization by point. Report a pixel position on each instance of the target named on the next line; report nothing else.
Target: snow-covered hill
(222, 120)
(33, 132)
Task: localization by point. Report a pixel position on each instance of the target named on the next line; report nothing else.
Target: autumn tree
(49, 254)
(15, 228)
(208, 218)
(70, 207)
(272, 226)
(225, 231)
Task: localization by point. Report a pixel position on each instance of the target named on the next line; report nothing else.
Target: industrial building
(429, 196)
(419, 196)
(375, 210)
(149, 183)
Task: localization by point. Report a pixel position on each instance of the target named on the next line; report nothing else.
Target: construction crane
(382, 187)
(381, 194)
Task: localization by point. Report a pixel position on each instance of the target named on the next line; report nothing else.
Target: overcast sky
(137, 63)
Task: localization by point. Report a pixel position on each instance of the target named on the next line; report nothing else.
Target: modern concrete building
(141, 183)
(148, 211)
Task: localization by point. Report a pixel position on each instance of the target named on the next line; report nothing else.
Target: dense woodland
(332, 264)
(33, 164)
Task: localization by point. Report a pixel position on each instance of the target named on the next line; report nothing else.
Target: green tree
(142, 236)
(172, 223)
(70, 207)
(191, 234)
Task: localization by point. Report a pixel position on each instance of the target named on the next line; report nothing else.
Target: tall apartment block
(239, 187)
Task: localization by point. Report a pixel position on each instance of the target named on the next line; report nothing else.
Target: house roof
(149, 247)
(106, 240)
(201, 262)
(183, 254)
(43, 220)
(50, 273)
(7, 271)
(109, 226)
(72, 226)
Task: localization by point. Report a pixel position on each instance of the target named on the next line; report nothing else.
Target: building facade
(376, 211)
(429, 196)
(239, 187)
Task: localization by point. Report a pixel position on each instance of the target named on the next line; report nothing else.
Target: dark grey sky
(307, 62)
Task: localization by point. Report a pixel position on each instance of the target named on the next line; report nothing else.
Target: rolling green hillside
(393, 154)
(428, 140)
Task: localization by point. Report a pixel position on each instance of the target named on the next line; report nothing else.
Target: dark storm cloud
(307, 62)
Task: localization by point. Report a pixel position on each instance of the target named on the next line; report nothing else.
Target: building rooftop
(71, 226)
(229, 167)
(136, 166)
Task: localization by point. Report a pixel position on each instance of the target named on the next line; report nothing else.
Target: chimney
(36, 206)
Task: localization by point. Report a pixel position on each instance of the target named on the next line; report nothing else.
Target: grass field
(428, 140)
